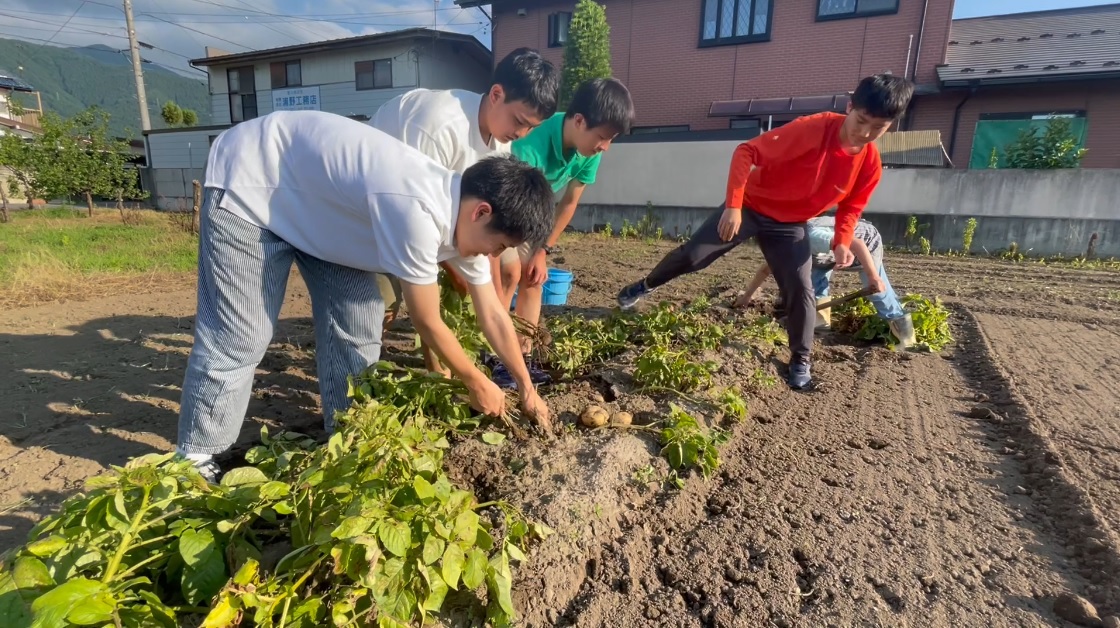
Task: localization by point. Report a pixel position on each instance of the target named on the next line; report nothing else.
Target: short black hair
(883, 96)
(528, 77)
(603, 102)
(519, 194)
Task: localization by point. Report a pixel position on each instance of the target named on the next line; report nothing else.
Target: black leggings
(786, 249)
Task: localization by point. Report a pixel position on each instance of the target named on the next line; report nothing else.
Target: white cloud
(181, 29)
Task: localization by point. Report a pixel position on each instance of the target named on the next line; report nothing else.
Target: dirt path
(887, 497)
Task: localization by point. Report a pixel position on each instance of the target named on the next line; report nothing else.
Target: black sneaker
(629, 296)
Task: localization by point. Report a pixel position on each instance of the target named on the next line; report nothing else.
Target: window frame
(736, 39)
(857, 13)
(242, 95)
(661, 128)
(286, 66)
(554, 29)
(372, 63)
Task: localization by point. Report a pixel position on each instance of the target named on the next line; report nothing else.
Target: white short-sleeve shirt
(442, 124)
(344, 192)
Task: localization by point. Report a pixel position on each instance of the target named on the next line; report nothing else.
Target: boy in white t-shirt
(457, 128)
(344, 201)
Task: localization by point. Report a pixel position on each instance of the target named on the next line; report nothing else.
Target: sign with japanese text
(296, 99)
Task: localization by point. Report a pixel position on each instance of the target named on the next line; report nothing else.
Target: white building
(350, 77)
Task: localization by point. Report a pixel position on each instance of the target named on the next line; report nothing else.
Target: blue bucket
(555, 289)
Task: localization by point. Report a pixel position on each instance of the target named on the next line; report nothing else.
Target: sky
(180, 29)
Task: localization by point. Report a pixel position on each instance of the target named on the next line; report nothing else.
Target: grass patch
(61, 253)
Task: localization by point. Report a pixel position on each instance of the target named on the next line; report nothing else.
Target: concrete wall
(1046, 212)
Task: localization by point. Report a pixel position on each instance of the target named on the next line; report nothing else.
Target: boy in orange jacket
(778, 181)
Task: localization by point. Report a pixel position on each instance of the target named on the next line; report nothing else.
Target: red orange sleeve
(744, 158)
(851, 208)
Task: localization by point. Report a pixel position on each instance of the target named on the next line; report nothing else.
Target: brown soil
(969, 488)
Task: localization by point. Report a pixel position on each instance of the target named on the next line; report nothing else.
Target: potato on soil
(622, 418)
(594, 416)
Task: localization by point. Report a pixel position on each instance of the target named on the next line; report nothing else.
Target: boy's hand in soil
(843, 255)
(536, 409)
(729, 223)
(538, 269)
(486, 397)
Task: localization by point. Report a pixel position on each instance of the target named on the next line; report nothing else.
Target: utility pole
(134, 48)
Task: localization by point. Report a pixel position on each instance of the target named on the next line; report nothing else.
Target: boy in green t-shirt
(567, 148)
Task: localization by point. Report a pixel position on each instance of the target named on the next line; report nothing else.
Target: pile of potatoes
(596, 416)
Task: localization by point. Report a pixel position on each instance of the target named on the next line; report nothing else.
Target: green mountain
(71, 79)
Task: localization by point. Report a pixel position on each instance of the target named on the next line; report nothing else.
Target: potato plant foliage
(365, 530)
(931, 322)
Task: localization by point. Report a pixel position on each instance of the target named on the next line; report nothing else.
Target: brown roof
(913, 148)
(1033, 47)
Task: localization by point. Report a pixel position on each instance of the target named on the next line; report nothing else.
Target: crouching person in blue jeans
(867, 247)
(344, 201)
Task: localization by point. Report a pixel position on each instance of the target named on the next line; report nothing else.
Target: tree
(172, 113)
(97, 164)
(33, 161)
(587, 53)
(1045, 148)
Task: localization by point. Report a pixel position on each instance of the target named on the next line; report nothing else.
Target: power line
(201, 33)
(68, 20)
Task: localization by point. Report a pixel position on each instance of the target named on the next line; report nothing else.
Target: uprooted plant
(367, 529)
(930, 317)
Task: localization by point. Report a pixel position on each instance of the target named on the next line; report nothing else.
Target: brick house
(1007, 72)
(705, 65)
(726, 69)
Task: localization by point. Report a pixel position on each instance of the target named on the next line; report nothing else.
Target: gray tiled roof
(1034, 46)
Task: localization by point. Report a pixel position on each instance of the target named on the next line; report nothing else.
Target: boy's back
(333, 187)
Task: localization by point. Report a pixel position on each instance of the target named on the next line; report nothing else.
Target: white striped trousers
(242, 277)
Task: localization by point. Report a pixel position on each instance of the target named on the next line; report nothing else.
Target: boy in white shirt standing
(457, 128)
(344, 201)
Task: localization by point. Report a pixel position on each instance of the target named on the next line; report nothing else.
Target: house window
(735, 21)
(843, 9)
(376, 74)
(242, 94)
(286, 74)
(746, 123)
(558, 25)
(646, 130)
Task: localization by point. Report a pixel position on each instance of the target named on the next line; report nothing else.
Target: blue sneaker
(629, 296)
(799, 377)
(501, 376)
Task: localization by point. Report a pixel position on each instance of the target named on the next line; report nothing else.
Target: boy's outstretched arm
(424, 310)
(565, 211)
(868, 266)
(851, 208)
(493, 319)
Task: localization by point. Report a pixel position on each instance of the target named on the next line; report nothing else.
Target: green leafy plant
(930, 317)
(761, 379)
(993, 158)
(969, 233)
(685, 443)
(1012, 253)
(661, 368)
(924, 245)
(733, 405)
(365, 530)
(628, 231)
(1047, 147)
(607, 231)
